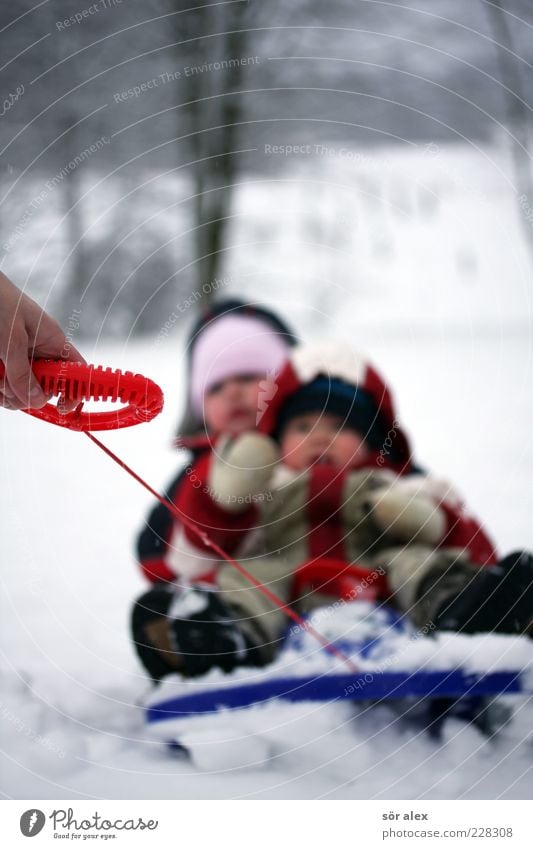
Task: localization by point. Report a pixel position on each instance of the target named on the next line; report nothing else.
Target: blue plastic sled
(371, 635)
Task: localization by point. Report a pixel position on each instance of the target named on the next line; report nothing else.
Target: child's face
(321, 438)
(231, 406)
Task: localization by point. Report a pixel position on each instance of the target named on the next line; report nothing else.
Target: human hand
(26, 332)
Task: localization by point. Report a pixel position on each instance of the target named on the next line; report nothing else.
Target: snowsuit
(386, 515)
(410, 526)
(157, 544)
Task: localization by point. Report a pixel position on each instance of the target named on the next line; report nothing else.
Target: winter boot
(188, 630)
(497, 599)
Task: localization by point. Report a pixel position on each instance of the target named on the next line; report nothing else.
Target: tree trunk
(516, 110)
(77, 267)
(214, 103)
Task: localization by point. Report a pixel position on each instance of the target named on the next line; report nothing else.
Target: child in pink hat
(232, 348)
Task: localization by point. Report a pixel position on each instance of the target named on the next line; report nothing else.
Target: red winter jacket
(168, 550)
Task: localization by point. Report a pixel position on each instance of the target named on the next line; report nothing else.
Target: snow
(439, 299)
(245, 738)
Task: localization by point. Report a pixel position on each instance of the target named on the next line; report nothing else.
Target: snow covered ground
(459, 357)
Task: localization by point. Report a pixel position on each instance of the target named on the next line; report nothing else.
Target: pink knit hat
(234, 344)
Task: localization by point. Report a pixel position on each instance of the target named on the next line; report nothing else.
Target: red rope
(204, 537)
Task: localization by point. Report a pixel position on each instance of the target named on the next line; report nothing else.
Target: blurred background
(368, 151)
(364, 168)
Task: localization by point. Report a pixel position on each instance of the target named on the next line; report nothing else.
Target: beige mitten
(241, 470)
(407, 515)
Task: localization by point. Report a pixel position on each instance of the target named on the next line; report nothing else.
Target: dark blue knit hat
(331, 395)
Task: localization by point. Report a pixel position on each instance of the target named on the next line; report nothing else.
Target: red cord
(204, 537)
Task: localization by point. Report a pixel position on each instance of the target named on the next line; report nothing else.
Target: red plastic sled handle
(81, 382)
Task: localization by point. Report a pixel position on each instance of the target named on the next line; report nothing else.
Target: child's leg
(421, 578)
(259, 617)
(188, 630)
(440, 587)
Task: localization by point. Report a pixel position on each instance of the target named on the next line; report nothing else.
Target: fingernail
(37, 397)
